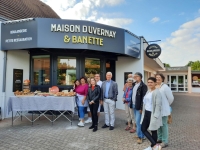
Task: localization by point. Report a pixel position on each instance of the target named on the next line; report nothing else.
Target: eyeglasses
(96, 76)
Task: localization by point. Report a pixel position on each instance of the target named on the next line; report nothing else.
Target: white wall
(1, 71)
(16, 59)
(153, 71)
(126, 64)
(195, 90)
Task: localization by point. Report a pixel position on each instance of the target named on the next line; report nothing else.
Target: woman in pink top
(81, 92)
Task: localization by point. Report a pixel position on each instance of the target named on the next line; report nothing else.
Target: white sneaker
(89, 120)
(157, 147)
(81, 124)
(148, 148)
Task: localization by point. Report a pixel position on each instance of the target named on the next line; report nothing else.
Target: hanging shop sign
(153, 51)
(17, 79)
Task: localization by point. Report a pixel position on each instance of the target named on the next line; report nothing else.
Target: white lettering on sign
(18, 40)
(65, 28)
(18, 31)
(173, 68)
(84, 29)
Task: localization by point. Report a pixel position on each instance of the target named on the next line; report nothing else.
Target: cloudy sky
(175, 22)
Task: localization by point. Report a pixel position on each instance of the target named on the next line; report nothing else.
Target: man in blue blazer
(109, 92)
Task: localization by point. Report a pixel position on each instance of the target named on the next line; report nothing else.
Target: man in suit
(109, 92)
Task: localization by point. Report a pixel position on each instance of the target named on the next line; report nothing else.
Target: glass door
(173, 83)
(177, 83)
(181, 84)
(186, 83)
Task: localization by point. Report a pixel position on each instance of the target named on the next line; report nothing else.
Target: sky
(175, 22)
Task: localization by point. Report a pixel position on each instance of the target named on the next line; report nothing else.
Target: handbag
(169, 121)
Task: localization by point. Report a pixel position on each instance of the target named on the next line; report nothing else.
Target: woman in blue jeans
(81, 92)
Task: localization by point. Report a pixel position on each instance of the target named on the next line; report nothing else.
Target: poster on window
(17, 79)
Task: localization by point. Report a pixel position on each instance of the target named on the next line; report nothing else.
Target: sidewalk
(184, 132)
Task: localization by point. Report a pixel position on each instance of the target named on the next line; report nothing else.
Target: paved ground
(184, 132)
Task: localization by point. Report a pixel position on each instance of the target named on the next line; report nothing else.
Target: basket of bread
(44, 94)
(26, 82)
(65, 93)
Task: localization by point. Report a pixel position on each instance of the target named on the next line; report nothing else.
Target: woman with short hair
(167, 99)
(151, 114)
(127, 97)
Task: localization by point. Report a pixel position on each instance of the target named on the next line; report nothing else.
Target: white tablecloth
(41, 103)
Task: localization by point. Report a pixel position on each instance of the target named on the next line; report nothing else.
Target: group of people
(148, 109)
(92, 95)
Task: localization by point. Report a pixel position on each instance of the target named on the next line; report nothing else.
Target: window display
(41, 70)
(195, 80)
(66, 74)
(92, 66)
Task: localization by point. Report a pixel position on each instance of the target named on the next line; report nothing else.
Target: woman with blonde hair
(93, 97)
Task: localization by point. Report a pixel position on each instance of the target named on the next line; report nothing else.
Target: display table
(23, 105)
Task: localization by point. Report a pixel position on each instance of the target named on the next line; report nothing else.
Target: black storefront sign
(153, 51)
(17, 79)
(46, 33)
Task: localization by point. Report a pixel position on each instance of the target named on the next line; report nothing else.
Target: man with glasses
(139, 91)
(99, 82)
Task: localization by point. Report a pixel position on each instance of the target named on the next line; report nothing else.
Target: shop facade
(53, 52)
(178, 78)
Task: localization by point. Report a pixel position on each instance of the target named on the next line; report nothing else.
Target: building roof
(20, 9)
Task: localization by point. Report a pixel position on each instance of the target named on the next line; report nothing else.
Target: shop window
(168, 81)
(108, 66)
(66, 74)
(195, 80)
(92, 66)
(41, 70)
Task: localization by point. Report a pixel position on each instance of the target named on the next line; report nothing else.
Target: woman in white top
(167, 99)
(151, 114)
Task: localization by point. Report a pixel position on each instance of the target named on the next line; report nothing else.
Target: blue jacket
(129, 95)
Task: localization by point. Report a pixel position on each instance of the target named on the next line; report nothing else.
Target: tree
(167, 65)
(189, 64)
(196, 65)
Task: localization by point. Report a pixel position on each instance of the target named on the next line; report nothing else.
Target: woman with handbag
(167, 99)
(151, 114)
(93, 97)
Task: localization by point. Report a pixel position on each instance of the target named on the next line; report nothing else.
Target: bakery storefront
(56, 52)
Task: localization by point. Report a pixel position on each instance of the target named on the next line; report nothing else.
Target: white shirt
(167, 99)
(99, 83)
(148, 101)
(134, 92)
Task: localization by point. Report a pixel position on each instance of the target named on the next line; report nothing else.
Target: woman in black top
(93, 96)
